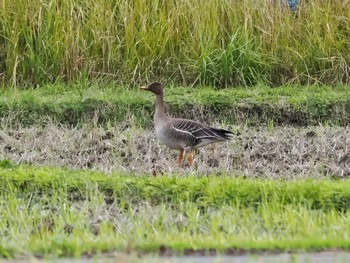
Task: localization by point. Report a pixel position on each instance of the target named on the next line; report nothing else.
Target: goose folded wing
(196, 129)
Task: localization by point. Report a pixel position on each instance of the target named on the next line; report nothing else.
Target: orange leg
(189, 158)
(181, 154)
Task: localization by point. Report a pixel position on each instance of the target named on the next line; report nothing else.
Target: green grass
(62, 212)
(211, 42)
(109, 104)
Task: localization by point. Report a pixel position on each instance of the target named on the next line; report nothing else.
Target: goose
(182, 134)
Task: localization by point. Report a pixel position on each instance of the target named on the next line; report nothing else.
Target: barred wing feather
(200, 131)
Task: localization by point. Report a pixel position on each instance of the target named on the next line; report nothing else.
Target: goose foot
(189, 158)
(181, 155)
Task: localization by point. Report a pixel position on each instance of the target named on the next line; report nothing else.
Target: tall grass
(214, 42)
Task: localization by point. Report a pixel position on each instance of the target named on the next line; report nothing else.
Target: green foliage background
(188, 42)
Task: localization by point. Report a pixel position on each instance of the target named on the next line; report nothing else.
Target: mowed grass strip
(106, 103)
(71, 213)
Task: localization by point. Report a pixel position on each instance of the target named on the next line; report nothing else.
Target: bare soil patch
(273, 152)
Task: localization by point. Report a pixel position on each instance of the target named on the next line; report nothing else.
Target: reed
(188, 42)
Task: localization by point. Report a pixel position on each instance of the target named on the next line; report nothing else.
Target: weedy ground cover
(69, 213)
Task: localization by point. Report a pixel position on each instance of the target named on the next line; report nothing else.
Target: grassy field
(70, 213)
(78, 162)
(103, 103)
(190, 42)
(81, 172)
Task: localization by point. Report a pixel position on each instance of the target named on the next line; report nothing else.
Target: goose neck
(160, 111)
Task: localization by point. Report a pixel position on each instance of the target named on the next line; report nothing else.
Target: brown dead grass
(279, 152)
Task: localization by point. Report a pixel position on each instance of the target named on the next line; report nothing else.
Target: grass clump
(220, 43)
(69, 213)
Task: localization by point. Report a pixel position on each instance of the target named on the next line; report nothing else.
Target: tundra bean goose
(182, 134)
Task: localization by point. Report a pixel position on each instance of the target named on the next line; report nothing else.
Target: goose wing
(198, 131)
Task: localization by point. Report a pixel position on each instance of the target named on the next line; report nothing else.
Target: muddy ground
(271, 152)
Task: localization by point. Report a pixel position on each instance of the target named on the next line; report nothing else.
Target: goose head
(154, 87)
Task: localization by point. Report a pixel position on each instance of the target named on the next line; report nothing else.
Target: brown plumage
(182, 134)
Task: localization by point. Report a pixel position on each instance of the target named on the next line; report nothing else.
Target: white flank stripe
(182, 131)
(197, 130)
(205, 137)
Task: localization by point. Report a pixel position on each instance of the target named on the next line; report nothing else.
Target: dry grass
(272, 152)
